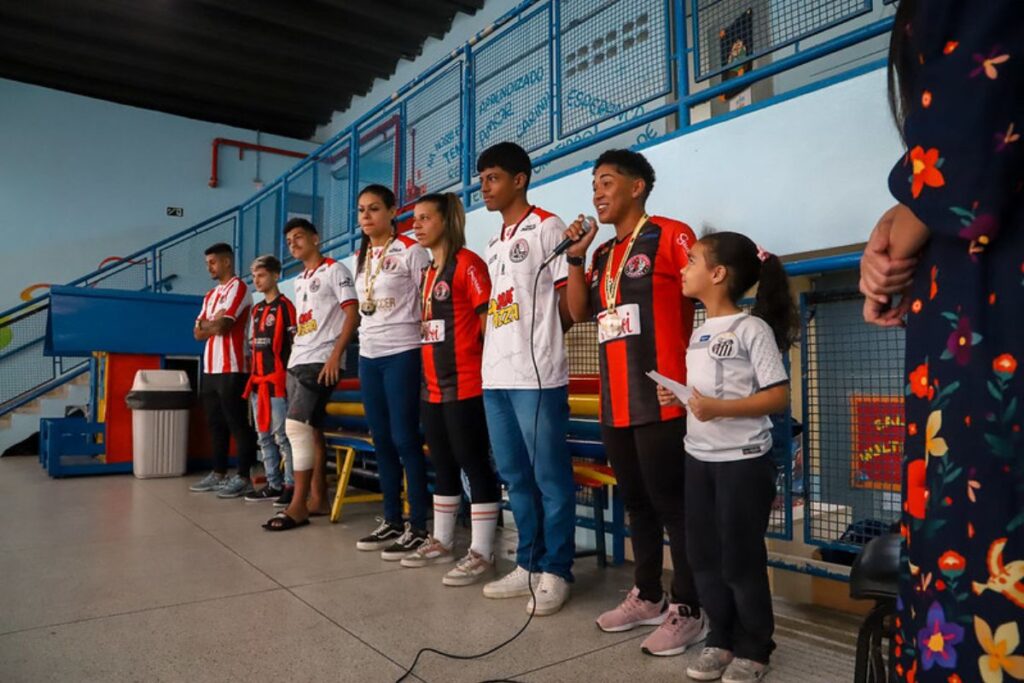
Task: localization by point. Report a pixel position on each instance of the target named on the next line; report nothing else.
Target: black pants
(457, 437)
(227, 415)
(727, 509)
(649, 464)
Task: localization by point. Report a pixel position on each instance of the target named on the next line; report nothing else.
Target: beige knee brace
(301, 436)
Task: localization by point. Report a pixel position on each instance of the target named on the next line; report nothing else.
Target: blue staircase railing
(560, 76)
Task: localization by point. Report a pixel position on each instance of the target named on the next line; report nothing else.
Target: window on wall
(378, 154)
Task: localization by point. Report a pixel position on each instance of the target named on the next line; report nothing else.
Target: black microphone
(589, 222)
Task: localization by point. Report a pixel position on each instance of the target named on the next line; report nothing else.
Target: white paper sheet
(680, 391)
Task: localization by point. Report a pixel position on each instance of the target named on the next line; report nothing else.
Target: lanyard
(516, 226)
(611, 286)
(370, 279)
(427, 306)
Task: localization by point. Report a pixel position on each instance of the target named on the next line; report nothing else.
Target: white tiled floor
(117, 579)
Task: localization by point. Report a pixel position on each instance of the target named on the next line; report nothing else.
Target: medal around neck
(368, 307)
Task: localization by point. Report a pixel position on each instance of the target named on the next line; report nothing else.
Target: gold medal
(611, 323)
(368, 307)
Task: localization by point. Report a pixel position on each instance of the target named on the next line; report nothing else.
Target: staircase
(21, 422)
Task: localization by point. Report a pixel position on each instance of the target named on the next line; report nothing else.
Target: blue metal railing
(588, 54)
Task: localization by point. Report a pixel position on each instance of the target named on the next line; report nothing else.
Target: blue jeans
(391, 397)
(540, 485)
(274, 444)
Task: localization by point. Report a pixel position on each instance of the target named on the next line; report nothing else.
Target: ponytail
(749, 265)
(774, 302)
(449, 205)
(388, 198)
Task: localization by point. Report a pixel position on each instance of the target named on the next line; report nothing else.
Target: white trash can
(160, 402)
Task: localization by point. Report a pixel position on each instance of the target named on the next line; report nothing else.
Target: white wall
(807, 173)
(82, 179)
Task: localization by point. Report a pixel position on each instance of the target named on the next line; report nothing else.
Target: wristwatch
(575, 260)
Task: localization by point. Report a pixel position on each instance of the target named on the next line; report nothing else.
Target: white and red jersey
(513, 259)
(394, 326)
(319, 296)
(227, 352)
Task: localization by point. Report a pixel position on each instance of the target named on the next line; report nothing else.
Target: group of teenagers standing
(473, 350)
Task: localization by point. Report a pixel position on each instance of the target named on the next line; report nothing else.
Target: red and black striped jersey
(273, 326)
(452, 339)
(657, 321)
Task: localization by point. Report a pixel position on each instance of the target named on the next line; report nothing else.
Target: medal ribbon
(611, 286)
(368, 279)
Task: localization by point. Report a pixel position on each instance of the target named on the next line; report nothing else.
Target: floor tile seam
(141, 610)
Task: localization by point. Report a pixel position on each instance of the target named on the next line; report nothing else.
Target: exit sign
(175, 211)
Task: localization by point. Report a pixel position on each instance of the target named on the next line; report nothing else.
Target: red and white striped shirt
(226, 352)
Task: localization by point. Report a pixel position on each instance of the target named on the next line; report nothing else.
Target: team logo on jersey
(724, 346)
(390, 264)
(314, 285)
(441, 291)
(519, 251)
(638, 266)
(503, 309)
(269, 322)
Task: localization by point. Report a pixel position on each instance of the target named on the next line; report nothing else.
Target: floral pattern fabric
(961, 603)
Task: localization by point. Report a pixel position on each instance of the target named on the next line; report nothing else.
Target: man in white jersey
(222, 325)
(325, 305)
(519, 396)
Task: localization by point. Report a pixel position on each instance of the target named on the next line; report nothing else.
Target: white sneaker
(551, 593)
(469, 570)
(512, 585)
(431, 552)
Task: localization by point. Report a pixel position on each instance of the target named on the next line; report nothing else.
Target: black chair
(875, 576)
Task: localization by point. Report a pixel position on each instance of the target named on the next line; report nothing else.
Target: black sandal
(282, 522)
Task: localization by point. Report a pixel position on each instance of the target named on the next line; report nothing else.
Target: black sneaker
(286, 497)
(382, 537)
(264, 494)
(406, 543)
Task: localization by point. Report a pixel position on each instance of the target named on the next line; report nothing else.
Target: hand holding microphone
(578, 236)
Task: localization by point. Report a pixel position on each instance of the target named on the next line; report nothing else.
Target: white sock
(445, 508)
(485, 524)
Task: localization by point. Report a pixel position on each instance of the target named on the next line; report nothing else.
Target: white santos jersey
(319, 296)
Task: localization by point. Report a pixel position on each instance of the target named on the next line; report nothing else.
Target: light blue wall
(82, 179)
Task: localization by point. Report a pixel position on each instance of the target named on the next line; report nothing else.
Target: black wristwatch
(575, 260)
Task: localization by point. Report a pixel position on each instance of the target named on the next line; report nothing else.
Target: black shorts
(307, 398)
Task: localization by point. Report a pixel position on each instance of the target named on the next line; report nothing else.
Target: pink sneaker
(632, 612)
(680, 630)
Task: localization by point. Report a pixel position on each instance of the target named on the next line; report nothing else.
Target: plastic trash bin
(160, 401)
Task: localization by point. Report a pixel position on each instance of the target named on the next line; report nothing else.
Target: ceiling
(276, 66)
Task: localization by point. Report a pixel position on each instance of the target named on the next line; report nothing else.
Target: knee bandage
(301, 437)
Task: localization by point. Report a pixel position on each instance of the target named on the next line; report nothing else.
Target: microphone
(589, 222)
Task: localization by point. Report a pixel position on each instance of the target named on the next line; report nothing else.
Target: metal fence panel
(728, 34)
(334, 180)
(433, 136)
(853, 390)
(182, 263)
(612, 56)
(512, 85)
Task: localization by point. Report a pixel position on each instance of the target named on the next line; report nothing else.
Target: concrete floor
(117, 579)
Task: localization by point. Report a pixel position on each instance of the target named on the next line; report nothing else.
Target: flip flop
(286, 523)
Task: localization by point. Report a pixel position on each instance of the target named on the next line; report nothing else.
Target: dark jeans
(227, 415)
(456, 433)
(649, 463)
(727, 509)
(391, 397)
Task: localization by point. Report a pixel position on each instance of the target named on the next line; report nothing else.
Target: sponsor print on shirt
(503, 309)
(629, 314)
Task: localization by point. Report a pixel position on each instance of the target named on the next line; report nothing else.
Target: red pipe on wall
(242, 146)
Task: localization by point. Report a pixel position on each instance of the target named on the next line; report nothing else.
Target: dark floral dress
(961, 605)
